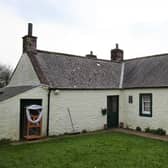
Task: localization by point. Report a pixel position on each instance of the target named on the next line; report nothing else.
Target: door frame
(21, 122)
(110, 96)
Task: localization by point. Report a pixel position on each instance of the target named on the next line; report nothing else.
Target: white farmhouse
(83, 93)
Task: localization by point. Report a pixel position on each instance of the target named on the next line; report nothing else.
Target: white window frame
(144, 112)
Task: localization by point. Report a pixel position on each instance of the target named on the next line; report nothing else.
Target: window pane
(146, 108)
(146, 98)
(147, 104)
(130, 99)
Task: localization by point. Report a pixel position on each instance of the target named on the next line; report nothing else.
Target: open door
(112, 111)
(23, 119)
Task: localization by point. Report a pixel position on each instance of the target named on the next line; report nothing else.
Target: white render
(159, 118)
(10, 113)
(24, 73)
(85, 108)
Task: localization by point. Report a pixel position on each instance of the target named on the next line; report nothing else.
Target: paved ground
(142, 134)
(126, 131)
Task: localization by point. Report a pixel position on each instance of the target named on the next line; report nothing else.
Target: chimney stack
(91, 55)
(117, 54)
(29, 41)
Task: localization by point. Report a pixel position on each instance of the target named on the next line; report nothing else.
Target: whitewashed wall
(10, 113)
(159, 117)
(24, 73)
(85, 107)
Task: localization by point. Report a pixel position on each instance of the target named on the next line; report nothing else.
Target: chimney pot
(30, 29)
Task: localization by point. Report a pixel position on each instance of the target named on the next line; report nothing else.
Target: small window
(145, 104)
(130, 99)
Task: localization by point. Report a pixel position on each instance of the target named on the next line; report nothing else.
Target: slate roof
(68, 71)
(8, 92)
(146, 72)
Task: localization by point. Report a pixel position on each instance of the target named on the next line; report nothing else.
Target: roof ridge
(146, 57)
(78, 56)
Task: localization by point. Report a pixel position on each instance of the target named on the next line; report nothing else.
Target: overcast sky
(78, 26)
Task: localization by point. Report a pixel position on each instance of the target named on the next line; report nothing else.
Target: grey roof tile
(146, 72)
(8, 92)
(69, 71)
(66, 71)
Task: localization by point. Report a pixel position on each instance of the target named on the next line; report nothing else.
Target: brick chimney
(29, 41)
(117, 54)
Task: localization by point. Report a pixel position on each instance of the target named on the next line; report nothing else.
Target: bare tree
(5, 73)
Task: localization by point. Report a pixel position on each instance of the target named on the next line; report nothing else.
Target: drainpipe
(48, 111)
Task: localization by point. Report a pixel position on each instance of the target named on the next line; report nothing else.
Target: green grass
(102, 150)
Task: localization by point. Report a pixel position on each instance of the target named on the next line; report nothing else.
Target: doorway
(112, 111)
(23, 119)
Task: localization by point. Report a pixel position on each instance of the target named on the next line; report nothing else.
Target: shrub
(159, 131)
(153, 131)
(84, 131)
(138, 128)
(5, 141)
(147, 129)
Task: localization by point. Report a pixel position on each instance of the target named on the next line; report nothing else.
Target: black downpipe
(48, 111)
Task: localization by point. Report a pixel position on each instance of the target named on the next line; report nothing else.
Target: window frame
(141, 112)
(130, 99)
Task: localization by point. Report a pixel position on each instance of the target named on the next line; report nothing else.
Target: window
(130, 99)
(145, 105)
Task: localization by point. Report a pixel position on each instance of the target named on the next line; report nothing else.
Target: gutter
(48, 111)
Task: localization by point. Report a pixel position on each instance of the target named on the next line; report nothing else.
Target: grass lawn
(102, 150)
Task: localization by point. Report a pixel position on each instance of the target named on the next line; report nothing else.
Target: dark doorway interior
(112, 111)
